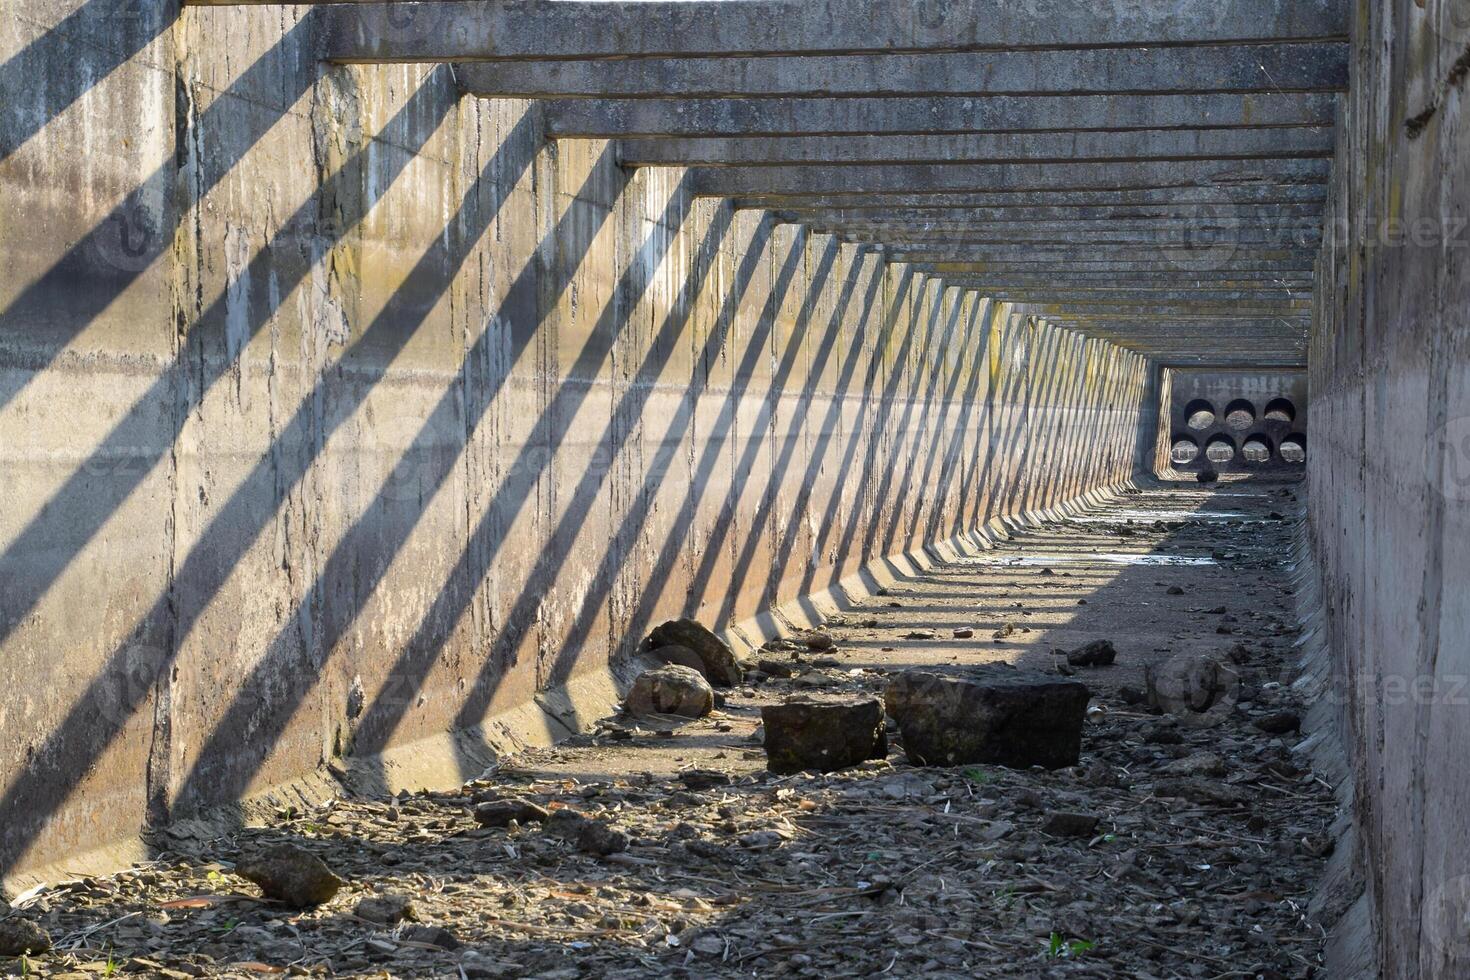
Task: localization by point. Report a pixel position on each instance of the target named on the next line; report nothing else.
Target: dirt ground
(1206, 845)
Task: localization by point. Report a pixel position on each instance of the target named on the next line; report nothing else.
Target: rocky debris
(997, 718)
(1280, 723)
(589, 834)
(820, 640)
(1208, 476)
(921, 635)
(385, 910)
(436, 936)
(1098, 653)
(20, 936)
(780, 668)
(824, 734)
(500, 813)
(721, 668)
(1061, 824)
(671, 690)
(963, 633)
(1175, 590)
(291, 876)
(1199, 690)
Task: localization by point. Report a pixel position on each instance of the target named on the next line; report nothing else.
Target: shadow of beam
(262, 708)
(81, 506)
(52, 311)
(69, 752)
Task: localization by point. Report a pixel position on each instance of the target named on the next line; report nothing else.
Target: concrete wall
(1267, 408)
(347, 425)
(1390, 471)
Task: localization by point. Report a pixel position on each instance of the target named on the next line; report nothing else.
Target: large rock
(1008, 718)
(20, 936)
(1200, 690)
(721, 667)
(824, 733)
(291, 876)
(671, 690)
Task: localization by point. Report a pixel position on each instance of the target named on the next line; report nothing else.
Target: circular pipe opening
(1185, 450)
(1294, 449)
(1257, 450)
(1221, 450)
(1200, 414)
(1281, 410)
(1240, 415)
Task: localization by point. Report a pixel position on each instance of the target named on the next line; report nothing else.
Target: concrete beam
(799, 180)
(585, 118)
(1050, 214)
(545, 29)
(1073, 298)
(1171, 197)
(1197, 236)
(1257, 68)
(1154, 144)
(1120, 285)
(1061, 261)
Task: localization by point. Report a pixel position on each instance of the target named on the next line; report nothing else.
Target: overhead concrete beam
(800, 180)
(1164, 236)
(1062, 261)
(1157, 144)
(1254, 68)
(1169, 277)
(546, 29)
(1172, 197)
(1070, 296)
(1050, 214)
(586, 118)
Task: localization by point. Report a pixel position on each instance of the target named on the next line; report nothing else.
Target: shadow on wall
(403, 417)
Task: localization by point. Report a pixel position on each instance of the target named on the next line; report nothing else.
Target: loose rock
(1013, 720)
(385, 910)
(671, 690)
(1200, 691)
(1060, 824)
(291, 876)
(1098, 653)
(720, 666)
(824, 734)
(1280, 723)
(19, 937)
(499, 813)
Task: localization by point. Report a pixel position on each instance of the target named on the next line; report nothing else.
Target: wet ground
(1207, 844)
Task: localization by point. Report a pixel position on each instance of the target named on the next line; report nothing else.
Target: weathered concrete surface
(1390, 471)
(961, 176)
(1258, 68)
(1184, 144)
(612, 118)
(370, 429)
(1243, 406)
(479, 29)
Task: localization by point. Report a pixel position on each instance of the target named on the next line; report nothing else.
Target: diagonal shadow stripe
(263, 707)
(902, 300)
(52, 311)
(418, 657)
(788, 445)
(81, 506)
(830, 424)
(70, 751)
(935, 356)
(52, 77)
